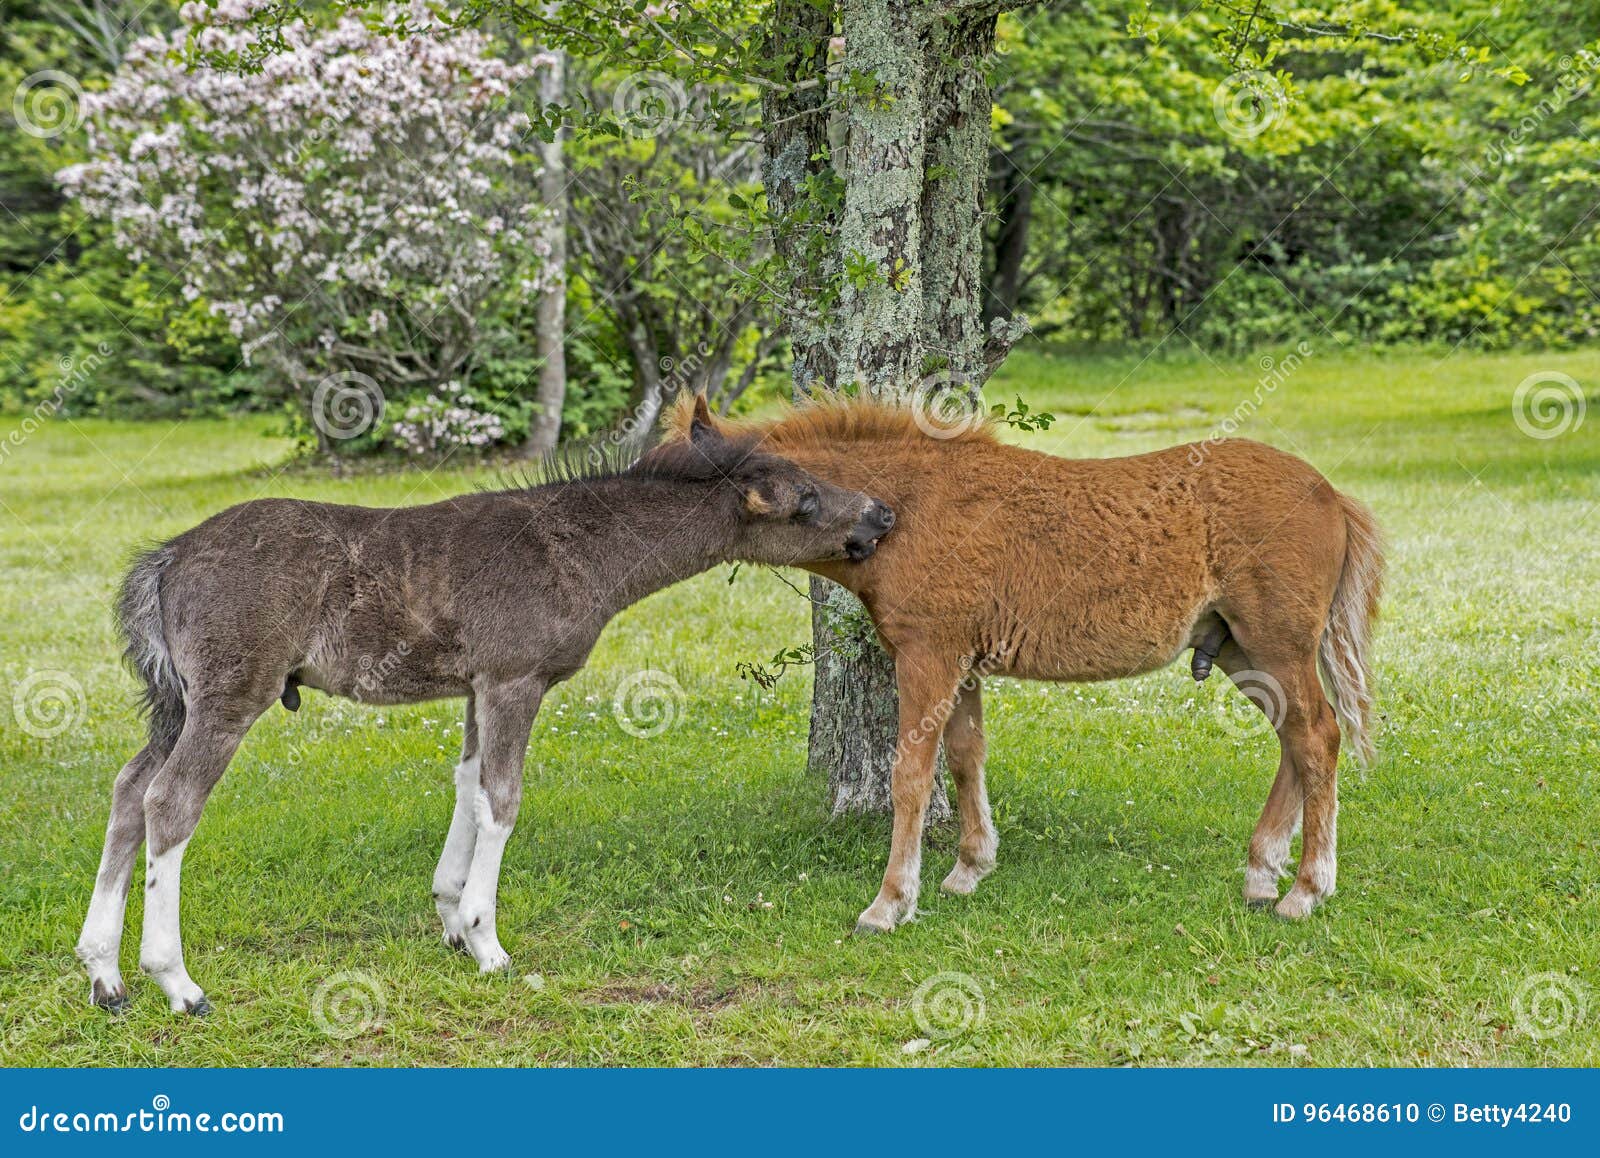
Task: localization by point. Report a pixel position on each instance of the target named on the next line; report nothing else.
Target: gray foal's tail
(145, 646)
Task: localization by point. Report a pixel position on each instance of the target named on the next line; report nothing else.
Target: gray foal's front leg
(451, 875)
(505, 719)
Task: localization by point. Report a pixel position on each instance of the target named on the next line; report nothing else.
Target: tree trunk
(956, 174)
(1015, 213)
(550, 320)
(794, 156)
(906, 250)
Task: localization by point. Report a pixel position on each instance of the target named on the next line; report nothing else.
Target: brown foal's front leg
(927, 689)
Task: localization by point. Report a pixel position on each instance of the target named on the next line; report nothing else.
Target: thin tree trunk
(1015, 213)
(550, 319)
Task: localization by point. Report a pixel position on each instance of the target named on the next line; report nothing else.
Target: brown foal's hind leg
(99, 946)
(1309, 732)
(964, 749)
(927, 684)
(1280, 818)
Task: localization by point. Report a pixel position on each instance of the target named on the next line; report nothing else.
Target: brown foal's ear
(701, 427)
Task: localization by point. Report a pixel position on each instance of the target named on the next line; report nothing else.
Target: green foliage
(1235, 173)
(1020, 417)
(66, 294)
(1390, 183)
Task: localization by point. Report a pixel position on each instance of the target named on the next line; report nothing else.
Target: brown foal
(1005, 561)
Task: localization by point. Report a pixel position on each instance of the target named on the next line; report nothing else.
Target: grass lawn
(683, 899)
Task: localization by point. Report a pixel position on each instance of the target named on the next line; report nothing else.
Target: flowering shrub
(353, 208)
(446, 421)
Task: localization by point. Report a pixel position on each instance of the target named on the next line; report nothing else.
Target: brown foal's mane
(832, 420)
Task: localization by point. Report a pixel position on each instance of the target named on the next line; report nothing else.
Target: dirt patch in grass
(702, 997)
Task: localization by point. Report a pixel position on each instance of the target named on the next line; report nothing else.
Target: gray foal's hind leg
(505, 718)
(451, 875)
(99, 946)
(172, 808)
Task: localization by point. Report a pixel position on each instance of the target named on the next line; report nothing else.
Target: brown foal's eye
(806, 509)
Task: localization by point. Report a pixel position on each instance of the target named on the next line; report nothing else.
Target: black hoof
(1256, 904)
(201, 1008)
(865, 930)
(112, 1001)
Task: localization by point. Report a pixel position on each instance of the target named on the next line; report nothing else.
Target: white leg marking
(885, 914)
(100, 944)
(1269, 864)
(456, 859)
(977, 856)
(1319, 873)
(161, 946)
(483, 883)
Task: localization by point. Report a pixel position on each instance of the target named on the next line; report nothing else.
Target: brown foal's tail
(1347, 640)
